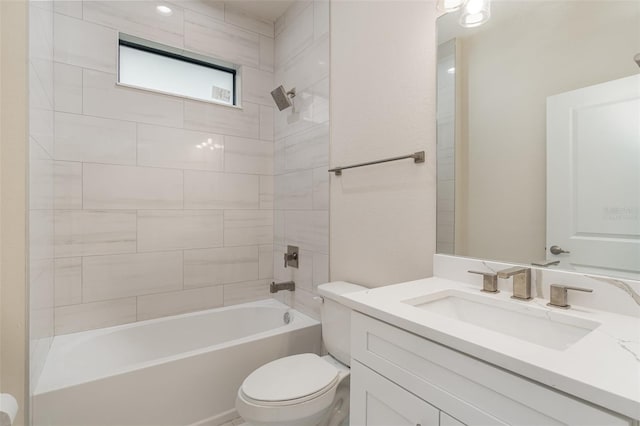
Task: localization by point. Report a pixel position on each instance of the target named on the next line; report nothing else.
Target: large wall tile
(292, 121)
(124, 275)
(67, 88)
(209, 117)
(124, 187)
(179, 302)
(41, 239)
(296, 36)
(138, 18)
(41, 298)
(90, 232)
(102, 98)
(40, 34)
(320, 18)
(244, 292)
(180, 149)
(266, 122)
(248, 227)
(320, 92)
(209, 190)
(266, 192)
(243, 155)
(266, 261)
(305, 301)
(278, 227)
(294, 191)
(40, 88)
(92, 139)
(307, 68)
(87, 316)
(220, 40)
(71, 8)
(68, 281)
(320, 189)
(210, 8)
(40, 177)
(220, 266)
(67, 185)
(257, 86)
(84, 44)
(266, 53)
(179, 229)
(308, 149)
(320, 269)
(41, 127)
(309, 230)
(239, 17)
(43, 70)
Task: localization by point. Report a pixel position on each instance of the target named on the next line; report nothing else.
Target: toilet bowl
(306, 389)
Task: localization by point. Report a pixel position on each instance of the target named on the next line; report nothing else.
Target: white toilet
(306, 390)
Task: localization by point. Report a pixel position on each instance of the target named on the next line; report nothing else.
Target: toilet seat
(291, 380)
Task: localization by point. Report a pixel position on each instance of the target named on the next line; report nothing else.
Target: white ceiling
(269, 10)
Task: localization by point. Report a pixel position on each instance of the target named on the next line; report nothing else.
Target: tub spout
(289, 285)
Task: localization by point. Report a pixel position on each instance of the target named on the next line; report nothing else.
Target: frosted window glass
(155, 71)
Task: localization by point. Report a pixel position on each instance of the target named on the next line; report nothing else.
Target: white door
(593, 177)
(376, 401)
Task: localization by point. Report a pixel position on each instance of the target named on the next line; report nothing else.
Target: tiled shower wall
(41, 226)
(302, 151)
(147, 224)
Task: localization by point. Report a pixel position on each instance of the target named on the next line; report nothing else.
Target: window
(153, 66)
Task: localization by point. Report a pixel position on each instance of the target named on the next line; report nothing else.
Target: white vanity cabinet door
(473, 391)
(376, 401)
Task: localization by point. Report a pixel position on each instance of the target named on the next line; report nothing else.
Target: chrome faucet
(521, 281)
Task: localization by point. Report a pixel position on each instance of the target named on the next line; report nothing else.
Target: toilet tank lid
(334, 290)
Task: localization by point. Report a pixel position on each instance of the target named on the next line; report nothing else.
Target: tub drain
(287, 318)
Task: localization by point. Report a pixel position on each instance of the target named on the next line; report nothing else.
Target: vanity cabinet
(399, 378)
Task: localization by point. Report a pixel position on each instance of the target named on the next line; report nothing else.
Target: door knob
(558, 250)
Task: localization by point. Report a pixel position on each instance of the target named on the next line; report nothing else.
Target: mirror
(539, 136)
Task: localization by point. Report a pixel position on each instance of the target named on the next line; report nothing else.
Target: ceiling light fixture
(450, 5)
(475, 13)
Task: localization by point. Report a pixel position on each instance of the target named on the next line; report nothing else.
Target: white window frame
(185, 56)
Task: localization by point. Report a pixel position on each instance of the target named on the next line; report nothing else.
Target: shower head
(281, 97)
(637, 59)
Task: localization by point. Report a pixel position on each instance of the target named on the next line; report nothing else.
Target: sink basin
(531, 323)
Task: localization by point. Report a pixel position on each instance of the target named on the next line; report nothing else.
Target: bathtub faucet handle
(291, 257)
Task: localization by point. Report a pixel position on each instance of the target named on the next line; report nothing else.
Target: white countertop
(603, 367)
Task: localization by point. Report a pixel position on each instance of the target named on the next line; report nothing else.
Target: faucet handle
(558, 298)
(489, 281)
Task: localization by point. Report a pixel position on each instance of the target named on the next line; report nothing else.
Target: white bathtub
(180, 370)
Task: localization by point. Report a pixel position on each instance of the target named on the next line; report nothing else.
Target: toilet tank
(336, 319)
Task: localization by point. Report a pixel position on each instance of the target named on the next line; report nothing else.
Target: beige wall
(507, 72)
(13, 155)
(382, 221)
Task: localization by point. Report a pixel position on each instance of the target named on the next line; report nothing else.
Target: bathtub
(179, 370)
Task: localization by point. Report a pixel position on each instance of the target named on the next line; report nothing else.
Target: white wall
(146, 224)
(508, 70)
(302, 151)
(383, 91)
